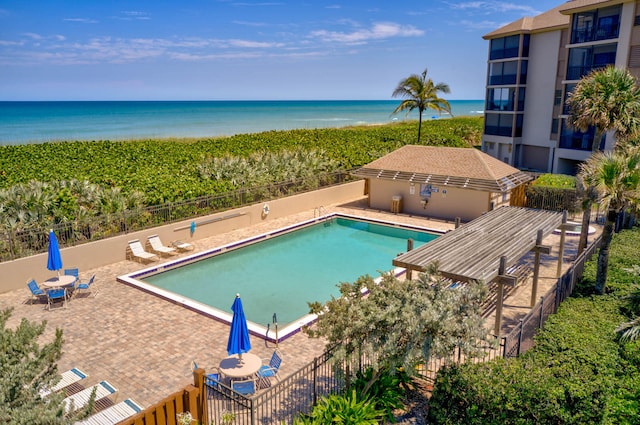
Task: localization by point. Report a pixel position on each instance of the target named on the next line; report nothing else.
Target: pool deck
(144, 345)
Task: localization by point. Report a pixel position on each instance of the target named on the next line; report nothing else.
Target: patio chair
(72, 272)
(80, 399)
(213, 378)
(135, 251)
(158, 247)
(56, 295)
(36, 291)
(182, 246)
(271, 369)
(68, 378)
(114, 414)
(245, 387)
(85, 286)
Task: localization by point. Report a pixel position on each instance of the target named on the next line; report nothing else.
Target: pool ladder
(319, 211)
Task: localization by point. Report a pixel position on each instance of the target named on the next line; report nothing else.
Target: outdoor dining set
(62, 287)
(242, 371)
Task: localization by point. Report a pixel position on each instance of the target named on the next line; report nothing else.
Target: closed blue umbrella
(54, 260)
(239, 334)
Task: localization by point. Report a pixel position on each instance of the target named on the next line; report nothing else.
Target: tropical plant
(421, 93)
(347, 409)
(26, 370)
(387, 393)
(401, 324)
(607, 99)
(616, 178)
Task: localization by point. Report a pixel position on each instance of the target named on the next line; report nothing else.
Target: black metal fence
(34, 240)
(276, 404)
(520, 339)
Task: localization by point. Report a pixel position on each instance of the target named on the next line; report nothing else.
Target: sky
(244, 49)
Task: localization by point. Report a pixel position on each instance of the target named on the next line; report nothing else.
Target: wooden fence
(165, 412)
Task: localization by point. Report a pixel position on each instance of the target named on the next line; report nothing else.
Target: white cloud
(81, 20)
(479, 25)
(254, 44)
(378, 31)
(495, 6)
(133, 15)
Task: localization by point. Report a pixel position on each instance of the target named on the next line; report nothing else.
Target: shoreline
(52, 122)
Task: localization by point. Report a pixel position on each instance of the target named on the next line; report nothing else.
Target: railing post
(520, 339)
(198, 382)
(315, 381)
(541, 312)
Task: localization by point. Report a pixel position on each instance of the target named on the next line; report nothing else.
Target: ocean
(37, 122)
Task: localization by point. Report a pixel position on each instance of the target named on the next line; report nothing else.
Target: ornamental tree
(26, 369)
(401, 324)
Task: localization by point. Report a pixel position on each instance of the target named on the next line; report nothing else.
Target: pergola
(485, 248)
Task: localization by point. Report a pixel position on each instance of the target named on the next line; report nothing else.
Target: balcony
(570, 139)
(587, 35)
(577, 72)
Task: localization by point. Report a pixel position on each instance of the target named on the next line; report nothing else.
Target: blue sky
(244, 49)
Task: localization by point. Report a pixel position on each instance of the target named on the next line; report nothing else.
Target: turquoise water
(33, 122)
(282, 274)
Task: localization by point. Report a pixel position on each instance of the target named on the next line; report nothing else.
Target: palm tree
(420, 92)
(615, 175)
(607, 99)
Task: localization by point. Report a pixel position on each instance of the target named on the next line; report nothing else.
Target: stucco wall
(464, 203)
(99, 253)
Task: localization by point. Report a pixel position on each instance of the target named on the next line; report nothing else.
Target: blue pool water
(281, 274)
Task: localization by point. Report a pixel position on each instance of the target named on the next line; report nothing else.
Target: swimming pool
(279, 272)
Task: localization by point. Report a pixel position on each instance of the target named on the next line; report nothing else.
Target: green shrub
(342, 409)
(560, 181)
(386, 393)
(577, 372)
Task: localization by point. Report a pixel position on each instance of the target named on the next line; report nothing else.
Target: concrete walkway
(144, 345)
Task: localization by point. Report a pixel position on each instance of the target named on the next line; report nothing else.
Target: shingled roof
(455, 167)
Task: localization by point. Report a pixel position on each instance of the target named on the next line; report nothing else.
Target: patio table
(59, 281)
(234, 369)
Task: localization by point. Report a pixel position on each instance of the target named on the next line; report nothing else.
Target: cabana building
(440, 182)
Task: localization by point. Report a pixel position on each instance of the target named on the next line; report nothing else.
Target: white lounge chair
(70, 377)
(80, 399)
(158, 247)
(182, 246)
(135, 251)
(114, 414)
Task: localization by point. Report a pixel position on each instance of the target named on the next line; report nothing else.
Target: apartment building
(535, 62)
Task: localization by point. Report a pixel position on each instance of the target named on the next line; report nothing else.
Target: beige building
(440, 182)
(535, 62)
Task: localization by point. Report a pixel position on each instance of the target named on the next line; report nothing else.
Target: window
(500, 99)
(503, 73)
(505, 47)
(583, 60)
(523, 72)
(498, 124)
(600, 24)
(554, 125)
(568, 89)
(519, 121)
(557, 98)
(525, 45)
(575, 139)
(521, 93)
